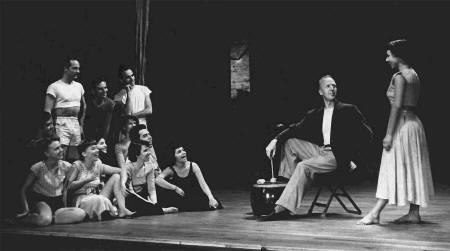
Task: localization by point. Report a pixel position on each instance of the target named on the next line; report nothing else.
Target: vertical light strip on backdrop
(142, 24)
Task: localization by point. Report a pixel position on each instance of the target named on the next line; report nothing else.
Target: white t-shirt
(137, 99)
(66, 95)
(326, 124)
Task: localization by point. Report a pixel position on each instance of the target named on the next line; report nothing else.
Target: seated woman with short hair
(138, 181)
(46, 181)
(184, 185)
(84, 184)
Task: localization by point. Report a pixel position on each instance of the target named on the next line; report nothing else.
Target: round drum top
(270, 185)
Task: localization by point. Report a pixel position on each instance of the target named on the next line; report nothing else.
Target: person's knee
(44, 214)
(69, 215)
(302, 168)
(115, 177)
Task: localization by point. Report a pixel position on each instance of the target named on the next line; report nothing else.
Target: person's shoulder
(109, 104)
(144, 89)
(120, 95)
(109, 101)
(54, 85)
(77, 83)
(64, 165)
(38, 165)
(77, 164)
(348, 107)
(195, 166)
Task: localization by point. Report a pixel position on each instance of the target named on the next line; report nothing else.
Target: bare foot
(408, 218)
(279, 209)
(170, 210)
(369, 219)
(125, 213)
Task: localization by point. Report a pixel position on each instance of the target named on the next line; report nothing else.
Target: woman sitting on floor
(46, 181)
(84, 184)
(185, 187)
(127, 122)
(138, 181)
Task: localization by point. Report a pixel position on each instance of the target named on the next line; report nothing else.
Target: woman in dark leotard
(184, 186)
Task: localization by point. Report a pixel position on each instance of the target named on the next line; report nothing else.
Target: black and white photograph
(224, 125)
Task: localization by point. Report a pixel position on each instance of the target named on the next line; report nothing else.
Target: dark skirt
(197, 201)
(54, 203)
(141, 207)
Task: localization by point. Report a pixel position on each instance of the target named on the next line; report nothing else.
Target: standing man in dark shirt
(99, 111)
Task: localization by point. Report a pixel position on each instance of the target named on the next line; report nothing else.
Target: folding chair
(333, 181)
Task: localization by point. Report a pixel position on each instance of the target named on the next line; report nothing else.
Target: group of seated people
(60, 192)
(100, 185)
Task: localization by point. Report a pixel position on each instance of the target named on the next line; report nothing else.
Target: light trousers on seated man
(300, 161)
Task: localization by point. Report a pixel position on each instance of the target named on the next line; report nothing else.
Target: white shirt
(137, 99)
(326, 124)
(66, 95)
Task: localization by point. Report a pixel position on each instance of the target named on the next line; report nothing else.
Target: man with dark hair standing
(328, 137)
(99, 111)
(135, 99)
(66, 98)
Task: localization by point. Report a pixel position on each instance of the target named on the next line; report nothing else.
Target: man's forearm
(142, 113)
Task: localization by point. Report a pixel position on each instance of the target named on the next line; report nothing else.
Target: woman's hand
(213, 203)
(387, 142)
(91, 178)
(23, 214)
(179, 191)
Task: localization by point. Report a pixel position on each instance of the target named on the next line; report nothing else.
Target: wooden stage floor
(236, 228)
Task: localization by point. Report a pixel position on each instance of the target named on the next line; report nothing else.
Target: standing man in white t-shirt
(329, 137)
(135, 99)
(65, 98)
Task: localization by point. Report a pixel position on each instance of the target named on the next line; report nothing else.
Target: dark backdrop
(291, 46)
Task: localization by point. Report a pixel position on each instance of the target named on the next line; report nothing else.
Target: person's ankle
(279, 209)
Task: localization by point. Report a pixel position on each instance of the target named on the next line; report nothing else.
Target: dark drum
(264, 196)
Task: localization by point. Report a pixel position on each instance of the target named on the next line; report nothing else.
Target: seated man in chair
(327, 138)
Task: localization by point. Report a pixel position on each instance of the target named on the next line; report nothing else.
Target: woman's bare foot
(369, 219)
(170, 210)
(279, 209)
(408, 218)
(126, 213)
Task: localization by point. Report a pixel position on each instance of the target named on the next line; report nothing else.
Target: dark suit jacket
(349, 132)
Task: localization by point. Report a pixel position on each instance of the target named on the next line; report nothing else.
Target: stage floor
(235, 227)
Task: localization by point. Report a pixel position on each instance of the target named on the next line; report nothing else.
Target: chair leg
(311, 208)
(357, 209)
(333, 194)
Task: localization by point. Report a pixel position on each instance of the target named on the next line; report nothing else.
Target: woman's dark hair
(401, 48)
(134, 150)
(85, 145)
(124, 120)
(134, 132)
(45, 143)
(172, 147)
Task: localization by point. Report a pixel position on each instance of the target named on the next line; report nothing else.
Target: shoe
(274, 216)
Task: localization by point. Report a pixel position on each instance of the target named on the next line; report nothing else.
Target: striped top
(49, 182)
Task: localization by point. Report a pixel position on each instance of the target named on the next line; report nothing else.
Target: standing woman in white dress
(405, 174)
